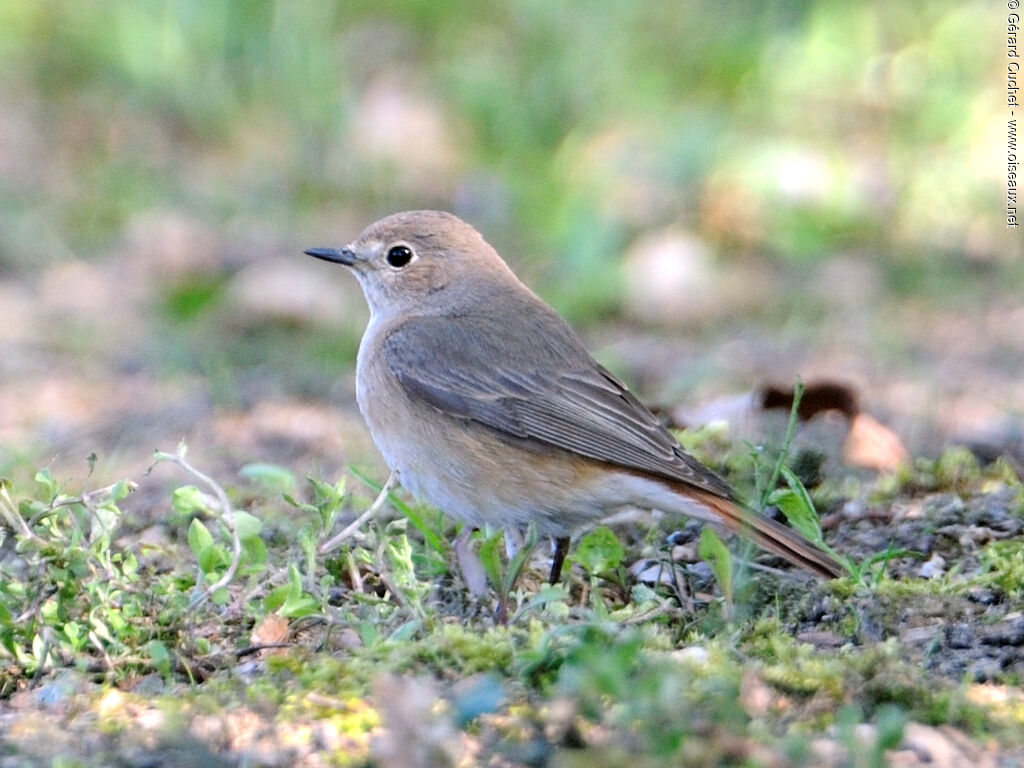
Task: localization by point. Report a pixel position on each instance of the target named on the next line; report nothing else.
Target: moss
(1003, 567)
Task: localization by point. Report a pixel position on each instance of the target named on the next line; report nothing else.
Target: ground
(377, 654)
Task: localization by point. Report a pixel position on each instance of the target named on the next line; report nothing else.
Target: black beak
(337, 255)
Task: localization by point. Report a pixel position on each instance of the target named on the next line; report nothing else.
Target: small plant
(70, 596)
(1003, 566)
(600, 554)
(796, 504)
(503, 580)
(713, 551)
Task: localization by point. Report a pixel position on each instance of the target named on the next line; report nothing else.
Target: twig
(87, 500)
(10, 514)
(334, 542)
(250, 650)
(353, 573)
(43, 655)
(792, 573)
(98, 645)
(227, 514)
(664, 609)
(396, 593)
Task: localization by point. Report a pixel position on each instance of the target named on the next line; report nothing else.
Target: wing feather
(539, 385)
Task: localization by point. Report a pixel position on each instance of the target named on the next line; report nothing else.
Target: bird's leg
(558, 558)
(470, 567)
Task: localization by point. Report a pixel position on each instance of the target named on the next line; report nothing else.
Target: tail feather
(772, 536)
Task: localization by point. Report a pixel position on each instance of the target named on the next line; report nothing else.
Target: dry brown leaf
(272, 629)
(873, 445)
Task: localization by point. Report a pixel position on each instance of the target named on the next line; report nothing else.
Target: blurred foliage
(563, 129)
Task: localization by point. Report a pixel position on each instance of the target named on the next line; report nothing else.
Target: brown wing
(529, 376)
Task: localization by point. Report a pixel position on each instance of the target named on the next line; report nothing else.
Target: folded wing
(545, 387)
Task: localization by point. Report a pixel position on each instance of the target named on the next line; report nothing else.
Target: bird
(486, 404)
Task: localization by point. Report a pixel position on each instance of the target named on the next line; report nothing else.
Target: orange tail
(772, 536)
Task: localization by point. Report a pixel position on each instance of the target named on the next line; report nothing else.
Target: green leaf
(209, 556)
(794, 413)
(213, 558)
(413, 515)
(327, 500)
(548, 596)
(297, 607)
(129, 564)
(368, 632)
(103, 520)
(289, 600)
(489, 553)
(418, 521)
(188, 499)
(73, 632)
(798, 508)
(101, 630)
(270, 477)
(890, 721)
(399, 551)
(276, 597)
(159, 657)
(48, 486)
(51, 611)
(518, 560)
(121, 490)
(325, 490)
(713, 551)
(199, 537)
(38, 649)
(599, 551)
(255, 555)
(297, 603)
(406, 631)
(247, 526)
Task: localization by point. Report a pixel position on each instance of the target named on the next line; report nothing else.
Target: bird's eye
(399, 255)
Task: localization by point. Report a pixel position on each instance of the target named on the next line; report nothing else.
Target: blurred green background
(674, 164)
